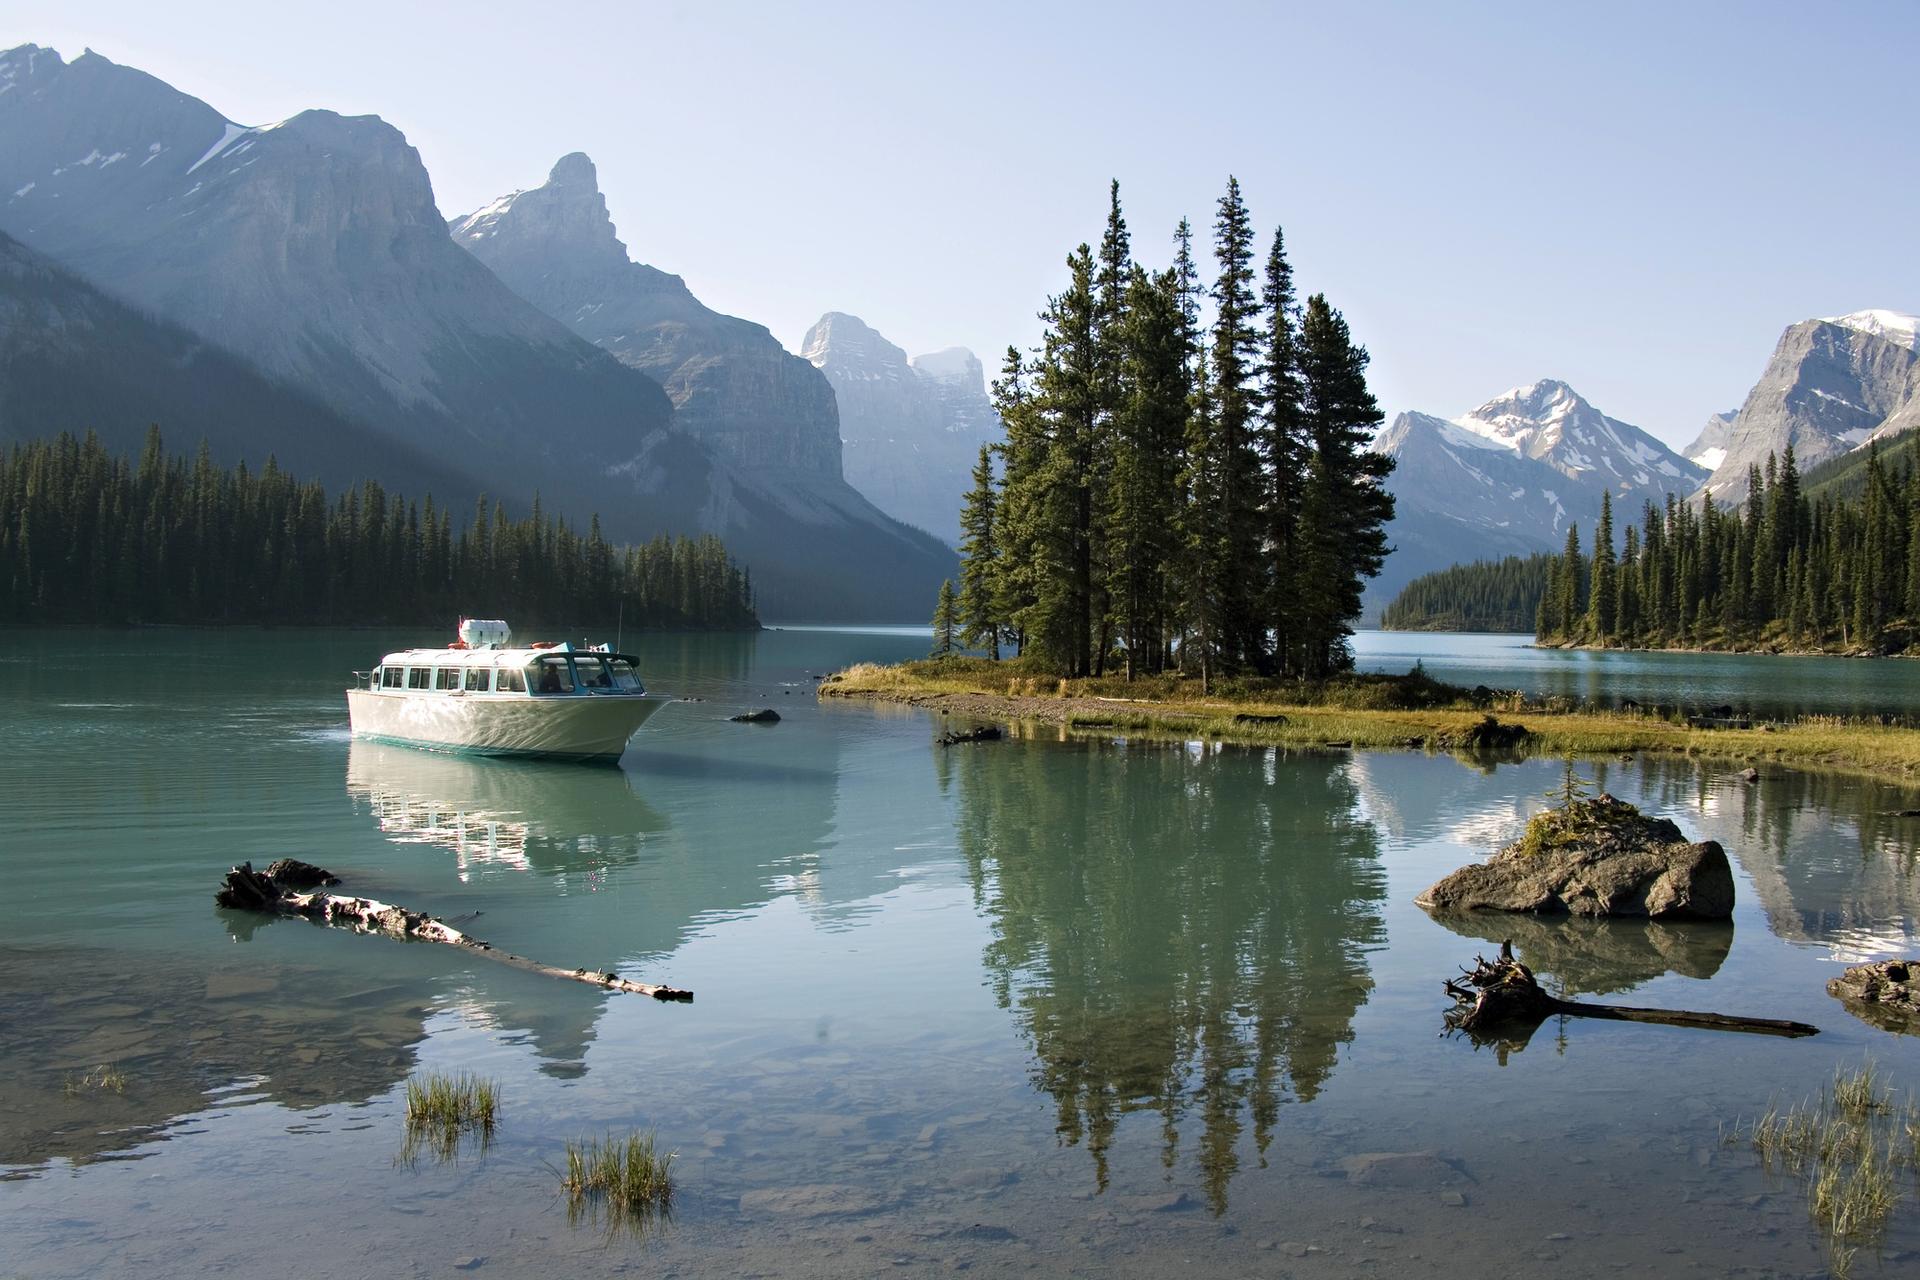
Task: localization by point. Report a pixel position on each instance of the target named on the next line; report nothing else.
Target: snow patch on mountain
(1894, 326)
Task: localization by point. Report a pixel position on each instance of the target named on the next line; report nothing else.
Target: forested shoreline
(1832, 567)
(88, 537)
(1173, 496)
(1488, 595)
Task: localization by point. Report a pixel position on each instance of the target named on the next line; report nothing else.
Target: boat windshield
(550, 675)
(625, 678)
(591, 672)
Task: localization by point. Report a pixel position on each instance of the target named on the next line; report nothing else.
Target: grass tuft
(443, 1109)
(101, 1079)
(629, 1176)
(1847, 1145)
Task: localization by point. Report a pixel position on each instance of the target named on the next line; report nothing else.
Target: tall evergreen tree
(1603, 608)
(980, 595)
(1285, 449)
(1345, 505)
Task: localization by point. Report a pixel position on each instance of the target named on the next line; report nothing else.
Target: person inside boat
(554, 677)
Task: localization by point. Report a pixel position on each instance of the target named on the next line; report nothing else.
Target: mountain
(911, 430)
(1508, 477)
(313, 249)
(732, 384)
(1709, 448)
(73, 359)
(1831, 384)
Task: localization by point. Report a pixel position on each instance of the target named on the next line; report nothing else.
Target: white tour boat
(483, 696)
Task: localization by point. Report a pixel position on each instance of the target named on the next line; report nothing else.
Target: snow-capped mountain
(1831, 385)
(911, 429)
(1508, 477)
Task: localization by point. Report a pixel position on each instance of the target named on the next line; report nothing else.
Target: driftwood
(1498, 998)
(985, 733)
(279, 892)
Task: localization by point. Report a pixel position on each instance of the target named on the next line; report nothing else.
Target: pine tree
(1345, 505)
(1143, 496)
(1570, 603)
(946, 621)
(1285, 449)
(1602, 614)
(980, 595)
(1235, 397)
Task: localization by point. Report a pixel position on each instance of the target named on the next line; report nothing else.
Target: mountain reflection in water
(1178, 930)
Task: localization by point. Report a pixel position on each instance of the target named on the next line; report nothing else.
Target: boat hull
(592, 729)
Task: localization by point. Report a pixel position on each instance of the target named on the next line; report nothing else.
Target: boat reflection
(1180, 930)
(518, 815)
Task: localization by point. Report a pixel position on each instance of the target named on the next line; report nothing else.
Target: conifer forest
(87, 537)
(1185, 482)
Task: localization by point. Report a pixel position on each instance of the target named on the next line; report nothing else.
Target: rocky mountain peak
(839, 341)
(1896, 327)
(564, 222)
(955, 366)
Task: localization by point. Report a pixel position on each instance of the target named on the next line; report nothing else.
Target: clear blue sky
(1636, 198)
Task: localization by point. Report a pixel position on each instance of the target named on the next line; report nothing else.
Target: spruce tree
(1285, 449)
(1345, 505)
(1604, 607)
(946, 621)
(980, 594)
(1235, 401)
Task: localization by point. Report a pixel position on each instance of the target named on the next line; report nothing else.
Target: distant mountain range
(309, 257)
(911, 429)
(1506, 478)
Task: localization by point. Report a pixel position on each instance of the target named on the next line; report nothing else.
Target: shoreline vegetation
(87, 537)
(1394, 712)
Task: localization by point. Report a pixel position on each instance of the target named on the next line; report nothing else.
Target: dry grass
(443, 1109)
(1363, 711)
(101, 1079)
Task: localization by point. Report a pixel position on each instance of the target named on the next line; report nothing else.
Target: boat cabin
(561, 671)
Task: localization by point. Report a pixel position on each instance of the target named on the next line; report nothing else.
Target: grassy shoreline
(1395, 712)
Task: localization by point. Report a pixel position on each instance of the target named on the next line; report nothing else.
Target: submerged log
(1497, 998)
(250, 890)
(985, 733)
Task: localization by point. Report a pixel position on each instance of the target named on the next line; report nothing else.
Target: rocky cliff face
(912, 429)
(1830, 386)
(313, 250)
(73, 359)
(1508, 477)
(732, 384)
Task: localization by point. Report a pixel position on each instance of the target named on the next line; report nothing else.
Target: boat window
(390, 677)
(419, 677)
(510, 680)
(551, 675)
(477, 679)
(447, 678)
(625, 677)
(592, 673)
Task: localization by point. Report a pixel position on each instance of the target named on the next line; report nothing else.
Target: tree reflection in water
(1181, 929)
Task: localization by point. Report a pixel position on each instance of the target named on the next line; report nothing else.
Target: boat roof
(514, 656)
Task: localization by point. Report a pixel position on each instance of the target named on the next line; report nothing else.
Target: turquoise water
(1087, 1007)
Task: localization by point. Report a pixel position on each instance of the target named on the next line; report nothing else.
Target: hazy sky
(1635, 198)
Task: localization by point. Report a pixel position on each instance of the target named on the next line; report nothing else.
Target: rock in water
(766, 715)
(1886, 994)
(1599, 857)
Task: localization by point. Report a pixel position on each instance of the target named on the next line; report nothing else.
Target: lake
(1087, 1007)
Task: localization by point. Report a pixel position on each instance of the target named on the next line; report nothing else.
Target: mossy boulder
(1598, 857)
